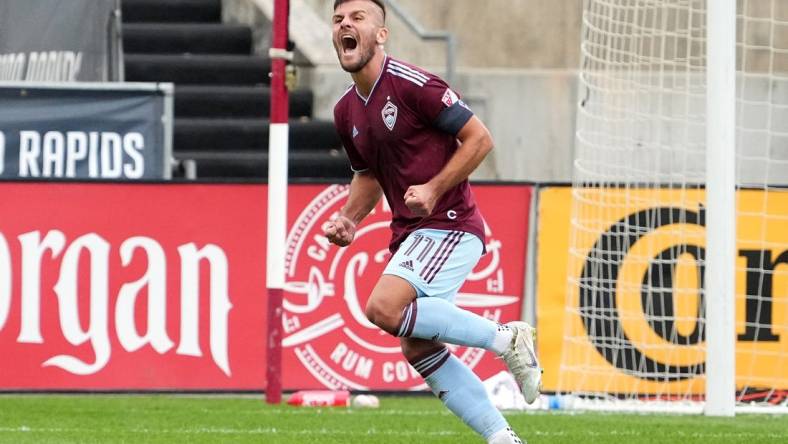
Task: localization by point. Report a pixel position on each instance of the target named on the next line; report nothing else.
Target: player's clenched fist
(420, 199)
(340, 231)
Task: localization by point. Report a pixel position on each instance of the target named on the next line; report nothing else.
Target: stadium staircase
(222, 96)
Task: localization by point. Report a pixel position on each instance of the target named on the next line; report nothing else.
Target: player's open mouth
(349, 43)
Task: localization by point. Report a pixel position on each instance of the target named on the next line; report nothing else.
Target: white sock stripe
(405, 76)
(408, 69)
(429, 358)
(432, 367)
(426, 365)
(434, 357)
(426, 362)
(406, 318)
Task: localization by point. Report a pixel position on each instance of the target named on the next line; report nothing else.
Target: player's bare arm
(365, 192)
(475, 143)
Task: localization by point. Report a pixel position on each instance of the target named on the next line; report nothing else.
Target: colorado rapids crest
(389, 114)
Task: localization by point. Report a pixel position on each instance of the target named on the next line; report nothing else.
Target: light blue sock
(460, 390)
(439, 320)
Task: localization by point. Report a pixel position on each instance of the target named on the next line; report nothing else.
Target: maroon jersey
(404, 133)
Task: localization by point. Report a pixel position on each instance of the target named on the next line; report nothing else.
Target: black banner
(86, 131)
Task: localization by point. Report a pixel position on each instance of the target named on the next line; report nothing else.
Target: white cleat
(505, 436)
(522, 362)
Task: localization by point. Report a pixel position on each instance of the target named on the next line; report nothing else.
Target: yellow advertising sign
(619, 303)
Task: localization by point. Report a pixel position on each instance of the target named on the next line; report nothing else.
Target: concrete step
(251, 135)
(198, 69)
(235, 101)
(221, 164)
(179, 38)
(171, 11)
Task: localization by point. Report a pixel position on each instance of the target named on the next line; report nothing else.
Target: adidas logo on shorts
(408, 265)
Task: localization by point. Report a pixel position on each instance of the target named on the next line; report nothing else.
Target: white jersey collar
(372, 91)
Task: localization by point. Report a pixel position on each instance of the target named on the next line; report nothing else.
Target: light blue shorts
(436, 262)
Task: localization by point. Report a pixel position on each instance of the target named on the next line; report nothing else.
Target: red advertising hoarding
(131, 286)
(147, 287)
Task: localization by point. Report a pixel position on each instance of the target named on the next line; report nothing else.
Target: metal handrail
(418, 29)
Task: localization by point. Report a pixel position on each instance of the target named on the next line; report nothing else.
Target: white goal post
(719, 284)
(677, 293)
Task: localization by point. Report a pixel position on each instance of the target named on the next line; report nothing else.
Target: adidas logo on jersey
(408, 265)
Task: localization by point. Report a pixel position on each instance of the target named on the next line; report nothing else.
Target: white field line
(374, 432)
(299, 412)
(671, 434)
(337, 411)
(231, 431)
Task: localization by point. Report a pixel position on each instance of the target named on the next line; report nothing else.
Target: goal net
(634, 329)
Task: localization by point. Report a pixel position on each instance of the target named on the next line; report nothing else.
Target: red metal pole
(277, 199)
(279, 94)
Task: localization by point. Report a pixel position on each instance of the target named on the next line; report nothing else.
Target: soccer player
(410, 138)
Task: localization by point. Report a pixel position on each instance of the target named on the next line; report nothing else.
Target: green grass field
(44, 419)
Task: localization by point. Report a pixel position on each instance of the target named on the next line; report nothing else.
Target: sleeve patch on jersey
(450, 98)
(452, 119)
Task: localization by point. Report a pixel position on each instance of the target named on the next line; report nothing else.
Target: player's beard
(366, 55)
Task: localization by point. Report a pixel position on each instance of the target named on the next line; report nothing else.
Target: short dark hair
(380, 4)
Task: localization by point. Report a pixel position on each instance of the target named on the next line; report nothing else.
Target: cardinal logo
(389, 114)
(326, 333)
